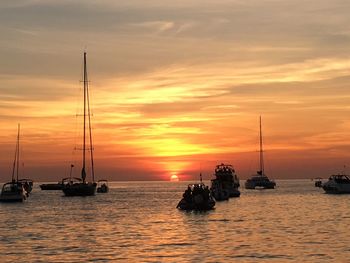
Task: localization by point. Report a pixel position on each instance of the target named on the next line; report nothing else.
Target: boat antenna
(90, 133)
(83, 173)
(261, 152)
(200, 173)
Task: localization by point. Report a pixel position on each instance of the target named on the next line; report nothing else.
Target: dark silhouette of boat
(260, 180)
(14, 191)
(84, 188)
(59, 185)
(52, 186)
(225, 184)
(102, 186)
(197, 197)
(27, 184)
(318, 182)
(337, 184)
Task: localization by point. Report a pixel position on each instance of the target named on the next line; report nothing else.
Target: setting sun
(174, 178)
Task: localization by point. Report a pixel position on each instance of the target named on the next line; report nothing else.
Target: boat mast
(90, 134)
(261, 153)
(15, 161)
(18, 151)
(83, 173)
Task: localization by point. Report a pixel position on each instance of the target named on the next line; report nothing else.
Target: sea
(139, 222)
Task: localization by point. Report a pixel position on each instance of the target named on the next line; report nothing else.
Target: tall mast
(18, 151)
(90, 134)
(83, 173)
(16, 157)
(261, 152)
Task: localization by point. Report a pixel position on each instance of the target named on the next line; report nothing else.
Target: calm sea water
(138, 222)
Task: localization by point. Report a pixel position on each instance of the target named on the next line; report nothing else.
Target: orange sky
(177, 86)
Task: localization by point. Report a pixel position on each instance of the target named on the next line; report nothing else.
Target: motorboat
(225, 184)
(51, 186)
(196, 197)
(102, 186)
(218, 191)
(318, 182)
(14, 191)
(260, 180)
(83, 187)
(337, 184)
(59, 185)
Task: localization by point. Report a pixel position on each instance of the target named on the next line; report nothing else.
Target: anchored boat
(197, 197)
(260, 180)
(83, 187)
(14, 191)
(102, 186)
(225, 184)
(337, 184)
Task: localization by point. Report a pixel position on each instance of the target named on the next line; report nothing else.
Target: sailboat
(14, 191)
(260, 180)
(83, 187)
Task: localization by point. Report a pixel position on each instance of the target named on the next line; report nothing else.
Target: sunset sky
(177, 86)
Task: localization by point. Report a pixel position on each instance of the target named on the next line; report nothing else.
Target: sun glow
(174, 178)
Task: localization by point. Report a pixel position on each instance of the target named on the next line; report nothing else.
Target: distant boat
(260, 180)
(102, 186)
(52, 186)
(59, 185)
(225, 184)
(197, 197)
(318, 182)
(337, 184)
(84, 188)
(14, 191)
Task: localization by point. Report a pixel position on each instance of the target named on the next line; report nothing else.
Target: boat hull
(102, 189)
(264, 184)
(51, 186)
(13, 192)
(200, 206)
(12, 199)
(336, 189)
(79, 189)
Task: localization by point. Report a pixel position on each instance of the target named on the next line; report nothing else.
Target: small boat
(337, 184)
(196, 197)
(14, 191)
(102, 186)
(52, 186)
(59, 185)
(260, 180)
(84, 188)
(27, 184)
(318, 182)
(225, 184)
